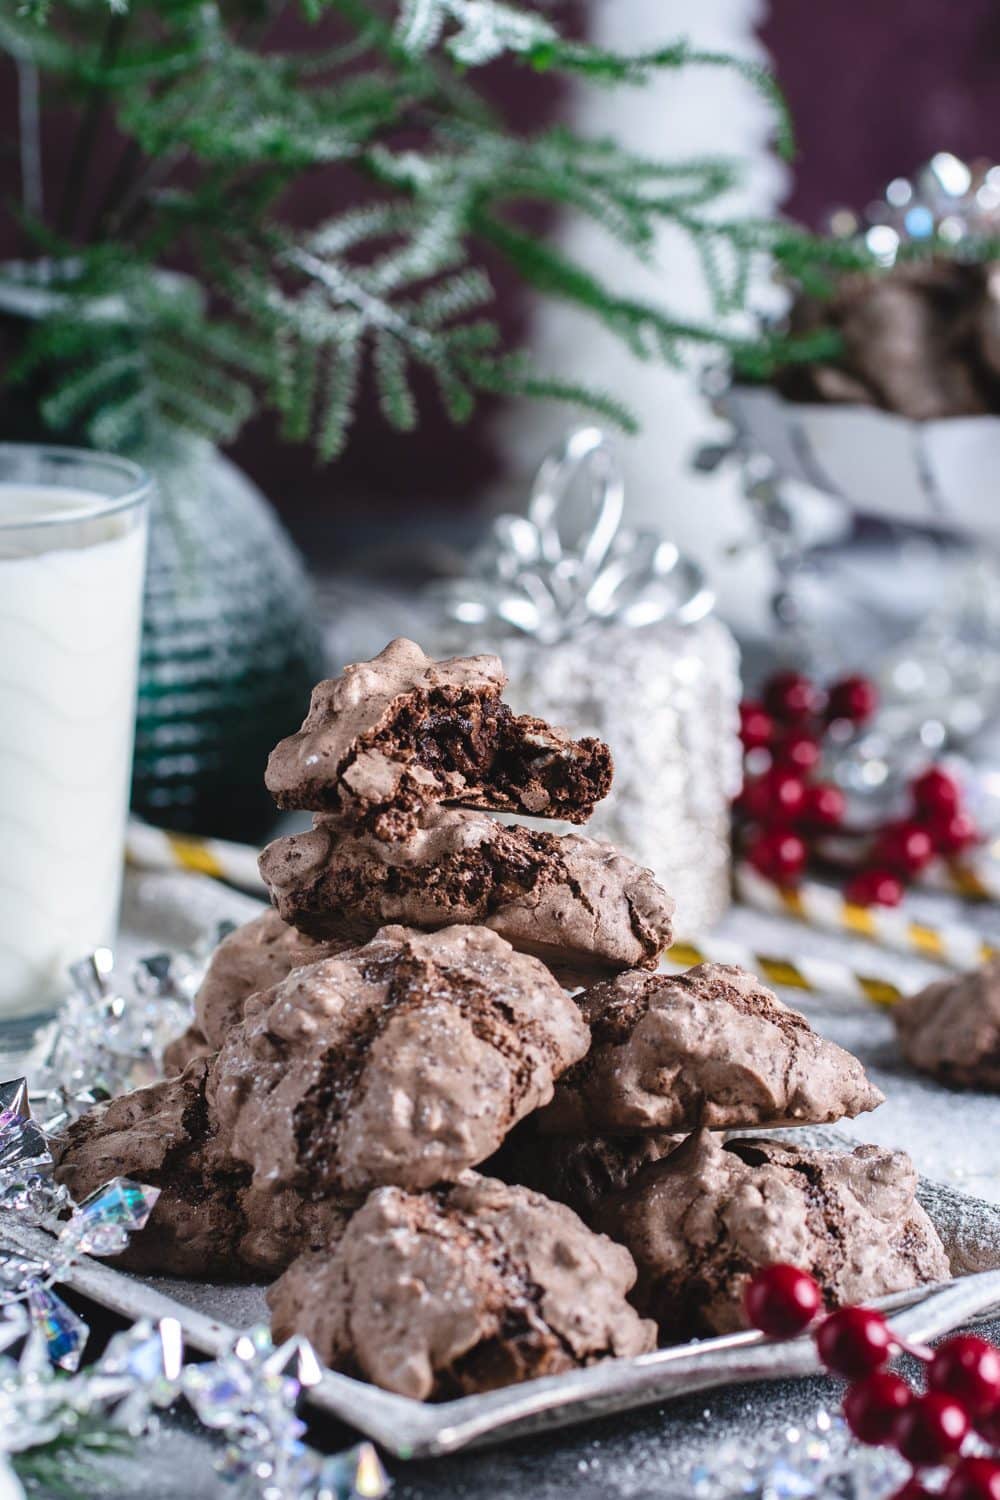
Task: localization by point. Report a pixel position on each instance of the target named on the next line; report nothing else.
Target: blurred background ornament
(578, 607)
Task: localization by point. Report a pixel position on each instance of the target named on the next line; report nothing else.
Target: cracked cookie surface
(713, 1047)
(404, 1061)
(572, 901)
(703, 1220)
(462, 1289)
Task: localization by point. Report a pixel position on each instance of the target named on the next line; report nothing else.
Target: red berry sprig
(928, 1428)
(786, 808)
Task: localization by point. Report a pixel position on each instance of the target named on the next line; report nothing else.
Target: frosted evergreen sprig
(217, 124)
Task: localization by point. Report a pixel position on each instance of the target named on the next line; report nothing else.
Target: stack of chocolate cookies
(461, 1173)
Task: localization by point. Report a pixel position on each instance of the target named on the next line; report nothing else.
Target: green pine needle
(218, 126)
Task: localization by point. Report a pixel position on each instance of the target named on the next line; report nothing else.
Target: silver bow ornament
(569, 564)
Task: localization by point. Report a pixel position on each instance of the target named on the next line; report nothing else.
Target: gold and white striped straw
(155, 849)
(816, 976)
(951, 943)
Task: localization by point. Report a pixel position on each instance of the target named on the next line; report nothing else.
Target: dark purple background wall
(877, 86)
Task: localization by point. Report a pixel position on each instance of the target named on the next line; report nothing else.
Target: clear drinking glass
(72, 555)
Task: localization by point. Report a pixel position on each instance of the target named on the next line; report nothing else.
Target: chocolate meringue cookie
(580, 1171)
(253, 957)
(209, 1221)
(462, 1289)
(401, 1062)
(396, 734)
(917, 339)
(712, 1047)
(702, 1221)
(574, 902)
(951, 1028)
(162, 1136)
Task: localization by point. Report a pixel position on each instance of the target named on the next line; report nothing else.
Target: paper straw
(817, 976)
(953, 943)
(155, 849)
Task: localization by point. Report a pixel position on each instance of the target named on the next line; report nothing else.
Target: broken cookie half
(401, 732)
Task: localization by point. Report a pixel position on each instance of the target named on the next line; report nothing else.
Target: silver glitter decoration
(109, 1034)
(609, 632)
(805, 1461)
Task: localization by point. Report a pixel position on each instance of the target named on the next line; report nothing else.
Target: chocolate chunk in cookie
(574, 902)
(709, 1047)
(951, 1029)
(460, 1290)
(396, 734)
(402, 1062)
(702, 1221)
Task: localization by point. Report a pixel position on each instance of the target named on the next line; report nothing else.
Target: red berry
(779, 854)
(799, 751)
(854, 698)
(954, 832)
(756, 725)
(790, 697)
(786, 793)
(906, 847)
(967, 1368)
(988, 1426)
(872, 1405)
(781, 1301)
(913, 1490)
(754, 800)
(853, 1341)
(874, 888)
(929, 1429)
(825, 805)
(974, 1479)
(935, 792)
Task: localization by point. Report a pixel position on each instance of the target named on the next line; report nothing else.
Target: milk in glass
(71, 570)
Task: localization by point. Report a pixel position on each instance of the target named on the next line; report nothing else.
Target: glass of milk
(72, 554)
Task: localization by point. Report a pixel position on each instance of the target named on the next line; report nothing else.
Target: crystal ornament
(111, 1030)
(65, 1333)
(357, 1474)
(102, 1223)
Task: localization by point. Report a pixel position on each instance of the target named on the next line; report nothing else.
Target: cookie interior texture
(951, 1028)
(394, 735)
(574, 902)
(712, 1046)
(700, 1222)
(462, 1289)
